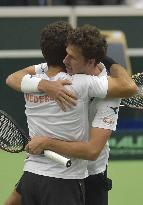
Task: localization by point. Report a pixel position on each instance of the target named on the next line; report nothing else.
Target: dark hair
(91, 42)
(53, 42)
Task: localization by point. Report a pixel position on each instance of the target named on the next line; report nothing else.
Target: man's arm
(84, 150)
(120, 84)
(55, 89)
(103, 122)
(14, 80)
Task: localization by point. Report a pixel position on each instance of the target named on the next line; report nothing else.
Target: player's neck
(93, 71)
(54, 70)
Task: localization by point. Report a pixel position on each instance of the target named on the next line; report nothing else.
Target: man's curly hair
(53, 42)
(90, 41)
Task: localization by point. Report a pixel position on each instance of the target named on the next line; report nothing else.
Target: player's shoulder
(79, 78)
(63, 76)
(41, 68)
(83, 77)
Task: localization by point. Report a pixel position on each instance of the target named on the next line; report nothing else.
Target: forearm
(84, 150)
(23, 81)
(14, 80)
(81, 150)
(122, 84)
(27, 82)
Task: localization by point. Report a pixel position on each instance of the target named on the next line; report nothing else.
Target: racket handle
(57, 158)
(122, 105)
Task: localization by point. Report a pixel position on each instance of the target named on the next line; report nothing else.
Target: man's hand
(57, 91)
(36, 145)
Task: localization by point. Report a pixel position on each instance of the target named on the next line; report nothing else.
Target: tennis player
(69, 77)
(103, 116)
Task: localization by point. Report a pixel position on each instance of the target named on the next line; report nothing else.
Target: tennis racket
(13, 139)
(137, 100)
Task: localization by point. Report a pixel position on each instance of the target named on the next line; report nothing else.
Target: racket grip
(57, 158)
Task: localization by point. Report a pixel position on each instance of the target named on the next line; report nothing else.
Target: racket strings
(138, 78)
(137, 100)
(10, 137)
(133, 102)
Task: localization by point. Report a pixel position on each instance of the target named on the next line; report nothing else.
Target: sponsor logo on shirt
(108, 120)
(38, 98)
(115, 109)
(42, 69)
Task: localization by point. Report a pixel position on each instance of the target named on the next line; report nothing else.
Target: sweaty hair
(53, 42)
(90, 41)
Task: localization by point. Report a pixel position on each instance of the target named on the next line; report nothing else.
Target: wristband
(29, 84)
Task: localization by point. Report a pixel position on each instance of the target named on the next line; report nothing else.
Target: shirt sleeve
(98, 86)
(41, 68)
(106, 114)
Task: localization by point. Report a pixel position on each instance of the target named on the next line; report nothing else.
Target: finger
(26, 148)
(61, 105)
(67, 92)
(65, 103)
(70, 94)
(65, 82)
(68, 102)
(36, 151)
(67, 99)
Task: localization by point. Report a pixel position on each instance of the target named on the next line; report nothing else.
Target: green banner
(126, 145)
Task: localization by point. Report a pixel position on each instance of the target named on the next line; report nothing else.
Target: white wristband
(29, 84)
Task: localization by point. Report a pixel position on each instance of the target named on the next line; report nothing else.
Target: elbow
(93, 155)
(131, 90)
(12, 83)
(7, 81)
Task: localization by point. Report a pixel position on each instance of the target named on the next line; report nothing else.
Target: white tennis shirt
(45, 117)
(103, 113)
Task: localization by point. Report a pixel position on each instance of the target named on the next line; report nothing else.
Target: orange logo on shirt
(38, 98)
